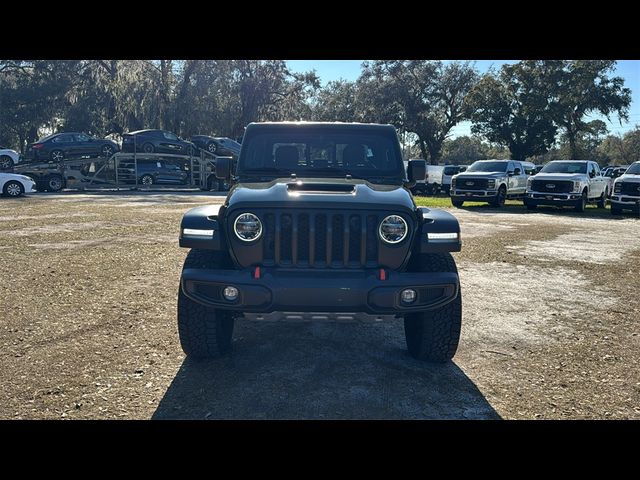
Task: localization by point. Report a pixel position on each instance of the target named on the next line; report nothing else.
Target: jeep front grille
(552, 186)
(321, 240)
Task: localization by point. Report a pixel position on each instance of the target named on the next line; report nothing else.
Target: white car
(8, 158)
(13, 185)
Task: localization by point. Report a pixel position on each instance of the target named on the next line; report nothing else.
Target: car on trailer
(60, 146)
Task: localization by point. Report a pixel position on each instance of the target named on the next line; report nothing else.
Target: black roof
(322, 125)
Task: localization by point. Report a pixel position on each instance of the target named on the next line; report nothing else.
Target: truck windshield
(565, 167)
(488, 167)
(450, 170)
(634, 169)
(320, 154)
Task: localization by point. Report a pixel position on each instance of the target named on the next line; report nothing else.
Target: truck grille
(552, 186)
(471, 184)
(629, 188)
(321, 240)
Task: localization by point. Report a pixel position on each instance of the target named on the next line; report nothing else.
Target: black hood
(329, 193)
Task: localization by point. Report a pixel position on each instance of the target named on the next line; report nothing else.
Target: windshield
(320, 154)
(488, 167)
(634, 169)
(565, 167)
(450, 170)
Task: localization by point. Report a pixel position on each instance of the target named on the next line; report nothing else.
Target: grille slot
(320, 240)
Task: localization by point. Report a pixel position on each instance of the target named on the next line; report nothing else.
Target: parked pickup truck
(491, 181)
(567, 183)
(626, 191)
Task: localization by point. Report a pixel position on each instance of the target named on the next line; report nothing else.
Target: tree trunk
(423, 149)
(573, 149)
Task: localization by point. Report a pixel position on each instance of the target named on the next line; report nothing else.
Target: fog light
(230, 293)
(408, 296)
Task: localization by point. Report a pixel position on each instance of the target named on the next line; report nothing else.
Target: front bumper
(319, 291)
(542, 198)
(473, 195)
(625, 201)
(29, 187)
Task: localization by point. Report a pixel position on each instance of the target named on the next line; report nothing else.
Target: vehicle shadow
(321, 371)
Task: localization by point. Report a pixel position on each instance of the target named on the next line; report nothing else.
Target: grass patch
(445, 202)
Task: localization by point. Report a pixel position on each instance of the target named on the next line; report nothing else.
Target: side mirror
(416, 170)
(510, 174)
(517, 171)
(223, 168)
(592, 174)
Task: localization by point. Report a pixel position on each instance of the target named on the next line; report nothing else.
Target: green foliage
(513, 109)
(465, 150)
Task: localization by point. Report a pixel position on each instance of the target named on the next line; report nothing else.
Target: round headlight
(248, 227)
(393, 229)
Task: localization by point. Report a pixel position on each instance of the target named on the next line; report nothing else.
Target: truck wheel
(602, 201)
(433, 335)
(204, 332)
(457, 203)
(500, 197)
(582, 203)
(531, 206)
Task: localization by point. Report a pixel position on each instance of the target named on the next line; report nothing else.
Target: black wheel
(501, 197)
(602, 201)
(148, 148)
(582, 203)
(204, 332)
(433, 335)
(13, 188)
(212, 147)
(457, 203)
(213, 184)
(107, 151)
(56, 155)
(146, 180)
(6, 162)
(615, 210)
(54, 183)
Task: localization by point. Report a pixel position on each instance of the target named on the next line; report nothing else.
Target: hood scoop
(320, 188)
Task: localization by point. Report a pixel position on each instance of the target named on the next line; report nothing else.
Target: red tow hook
(256, 272)
(383, 274)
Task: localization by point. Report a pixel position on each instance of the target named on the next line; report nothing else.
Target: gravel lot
(88, 330)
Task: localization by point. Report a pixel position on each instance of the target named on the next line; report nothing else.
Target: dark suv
(320, 225)
(157, 141)
(151, 172)
(59, 146)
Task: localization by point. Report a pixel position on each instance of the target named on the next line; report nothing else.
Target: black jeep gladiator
(320, 225)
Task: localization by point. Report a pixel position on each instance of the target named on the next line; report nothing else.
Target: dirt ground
(88, 328)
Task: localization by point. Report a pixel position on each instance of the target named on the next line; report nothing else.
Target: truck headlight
(247, 227)
(453, 183)
(491, 183)
(576, 186)
(393, 229)
(617, 187)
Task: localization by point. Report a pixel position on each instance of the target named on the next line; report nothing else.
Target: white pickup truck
(567, 183)
(626, 191)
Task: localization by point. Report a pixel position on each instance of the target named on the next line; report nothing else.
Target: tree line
(532, 109)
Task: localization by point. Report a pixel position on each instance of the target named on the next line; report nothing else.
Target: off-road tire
(602, 201)
(433, 335)
(204, 332)
(501, 197)
(457, 203)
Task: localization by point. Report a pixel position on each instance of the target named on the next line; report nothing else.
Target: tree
(582, 87)
(427, 98)
(337, 102)
(513, 108)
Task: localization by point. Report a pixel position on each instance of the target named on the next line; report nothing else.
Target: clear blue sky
(329, 70)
